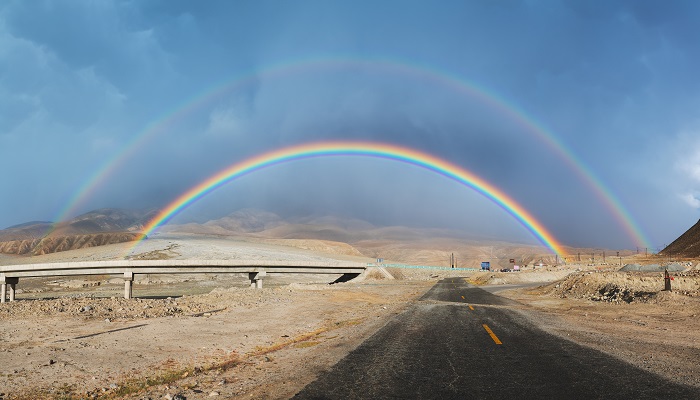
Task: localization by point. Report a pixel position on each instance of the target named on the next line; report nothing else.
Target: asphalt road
(446, 346)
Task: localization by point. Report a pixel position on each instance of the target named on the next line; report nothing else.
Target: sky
(563, 105)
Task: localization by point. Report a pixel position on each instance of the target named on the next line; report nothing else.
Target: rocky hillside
(332, 234)
(54, 244)
(687, 245)
(96, 228)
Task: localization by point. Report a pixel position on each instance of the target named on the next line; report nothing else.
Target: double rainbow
(421, 73)
(361, 149)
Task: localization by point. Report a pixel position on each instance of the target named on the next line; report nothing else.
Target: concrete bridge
(256, 270)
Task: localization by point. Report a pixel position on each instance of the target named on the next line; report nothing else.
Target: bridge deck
(256, 269)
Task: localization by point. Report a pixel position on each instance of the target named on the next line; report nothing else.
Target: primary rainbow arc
(362, 149)
(509, 109)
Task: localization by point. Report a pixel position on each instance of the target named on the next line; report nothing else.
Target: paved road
(446, 347)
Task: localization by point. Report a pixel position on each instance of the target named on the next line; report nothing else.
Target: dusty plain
(210, 336)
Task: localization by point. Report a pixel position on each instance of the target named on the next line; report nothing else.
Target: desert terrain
(211, 336)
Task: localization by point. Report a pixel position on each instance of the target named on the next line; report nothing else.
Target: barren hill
(410, 245)
(687, 245)
(96, 228)
(330, 234)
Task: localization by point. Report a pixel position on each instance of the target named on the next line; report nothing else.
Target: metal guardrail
(256, 269)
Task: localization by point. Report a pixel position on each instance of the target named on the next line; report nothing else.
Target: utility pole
(603, 256)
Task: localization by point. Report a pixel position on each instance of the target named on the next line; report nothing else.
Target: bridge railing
(256, 270)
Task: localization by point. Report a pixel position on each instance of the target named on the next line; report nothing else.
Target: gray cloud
(614, 82)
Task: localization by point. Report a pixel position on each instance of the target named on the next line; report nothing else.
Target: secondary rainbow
(361, 149)
(425, 73)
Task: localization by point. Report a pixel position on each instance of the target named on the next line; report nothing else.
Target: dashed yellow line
(462, 297)
(493, 335)
(471, 308)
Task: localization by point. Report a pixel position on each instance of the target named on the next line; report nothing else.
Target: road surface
(462, 342)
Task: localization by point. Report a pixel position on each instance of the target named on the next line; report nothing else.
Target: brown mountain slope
(95, 228)
(54, 244)
(29, 230)
(417, 246)
(687, 245)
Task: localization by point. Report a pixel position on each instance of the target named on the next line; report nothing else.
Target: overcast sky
(616, 82)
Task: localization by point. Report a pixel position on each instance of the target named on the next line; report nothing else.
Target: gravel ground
(195, 336)
(210, 336)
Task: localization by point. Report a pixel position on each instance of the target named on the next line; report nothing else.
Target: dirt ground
(199, 337)
(626, 315)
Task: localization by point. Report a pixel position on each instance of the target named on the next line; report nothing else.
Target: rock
(213, 394)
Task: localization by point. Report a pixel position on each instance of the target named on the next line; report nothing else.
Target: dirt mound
(616, 287)
(88, 307)
(687, 245)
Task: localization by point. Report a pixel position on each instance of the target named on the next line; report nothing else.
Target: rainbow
(363, 149)
(428, 74)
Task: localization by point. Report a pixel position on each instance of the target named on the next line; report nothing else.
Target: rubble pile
(117, 308)
(622, 287)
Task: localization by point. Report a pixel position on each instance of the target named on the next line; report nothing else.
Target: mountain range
(95, 228)
(332, 234)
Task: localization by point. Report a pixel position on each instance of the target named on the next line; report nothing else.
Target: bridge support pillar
(256, 279)
(128, 284)
(4, 282)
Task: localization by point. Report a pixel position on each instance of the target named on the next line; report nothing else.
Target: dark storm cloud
(615, 82)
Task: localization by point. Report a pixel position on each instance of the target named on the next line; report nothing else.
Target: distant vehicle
(486, 266)
(505, 270)
(516, 268)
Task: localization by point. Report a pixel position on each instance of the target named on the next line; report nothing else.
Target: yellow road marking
(462, 297)
(471, 308)
(493, 335)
